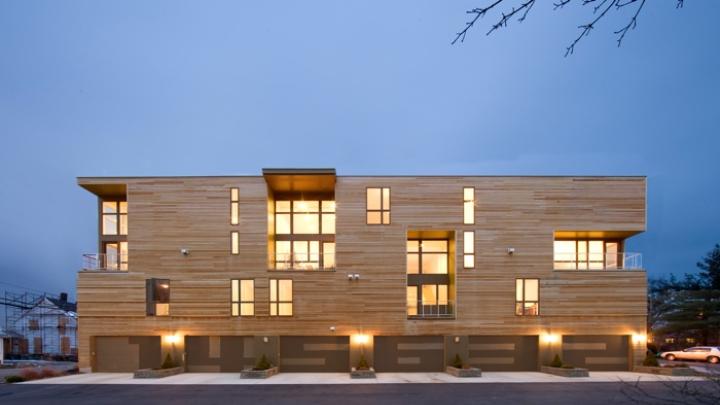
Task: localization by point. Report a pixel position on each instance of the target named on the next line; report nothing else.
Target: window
(116, 256)
(586, 255)
(281, 297)
(243, 297)
(428, 300)
(378, 206)
(157, 297)
(469, 249)
(527, 296)
(469, 205)
(33, 324)
(304, 234)
(690, 340)
(234, 206)
(427, 256)
(669, 340)
(235, 242)
(114, 218)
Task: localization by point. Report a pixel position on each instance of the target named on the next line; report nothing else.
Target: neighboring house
(47, 329)
(314, 270)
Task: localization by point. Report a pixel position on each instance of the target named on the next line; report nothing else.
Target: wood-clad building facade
(312, 270)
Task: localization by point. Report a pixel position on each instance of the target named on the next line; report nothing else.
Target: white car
(711, 354)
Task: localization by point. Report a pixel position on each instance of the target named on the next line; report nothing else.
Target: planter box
(369, 373)
(670, 371)
(565, 372)
(157, 373)
(464, 372)
(258, 374)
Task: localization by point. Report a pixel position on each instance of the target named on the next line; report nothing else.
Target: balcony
(599, 261)
(301, 262)
(441, 310)
(104, 262)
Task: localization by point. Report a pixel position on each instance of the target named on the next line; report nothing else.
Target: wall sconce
(350, 277)
(361, 339)
(265, 339)
(550, 338)
(457, 339)
(356, 276)
(185, 251)
(332, 329)
(510, 251)
(171, 339)
(639, 338)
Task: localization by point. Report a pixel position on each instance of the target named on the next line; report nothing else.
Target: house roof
(64, 305)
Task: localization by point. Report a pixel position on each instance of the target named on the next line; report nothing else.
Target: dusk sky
(143, 88)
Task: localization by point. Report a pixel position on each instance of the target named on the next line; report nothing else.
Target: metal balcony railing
(439, 310)
(303, 262)
(599, 261)
(104, 262)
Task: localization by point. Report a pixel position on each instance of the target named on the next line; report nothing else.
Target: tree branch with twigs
(521, 9)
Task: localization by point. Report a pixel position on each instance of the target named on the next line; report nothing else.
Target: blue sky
(107, 88)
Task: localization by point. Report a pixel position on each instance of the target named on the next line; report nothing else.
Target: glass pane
(531, 289)
(386, 217)
(273, 290)
(469, 261)
(582, 249)
(247, 290)
(412, 263)
(386, 198)
(413, 245)
(328, 224)
(519, 289)
(235, 291)
(235, 309)
(611, 255)
(306, 206)
(110, 224)
(531, 308)
(373, 217)
(123, 224)
(329, 255)
(234, 194)
(373, 199)
(162, 309)
(468, 212)
(273, 309)
(442, 294)
(328, 206)
(109, 207)
(247, 309)
(469, 194)
(412, 300)
(282, 224)
(285, 290)
(282, 255)
(434, 246)
(429, 296)
(161, 291)
(234, 213)
(282, 206)
(235, 243)
(314, 251)
(300, 251)
(597, 256)
(469, 242)
(123, 207)
(111, 255)
(518, 308)
(434, 263)
(285, 309)
(564, 251)
(306, 224)
(123, 255)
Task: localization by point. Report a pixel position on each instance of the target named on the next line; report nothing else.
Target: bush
(30, 374)
(652, 347)
(457, 362)
(47, 372)
(650, 360)
(362, 363)
(263, 363)
(169, 362)
(13, 379)
(556, 362)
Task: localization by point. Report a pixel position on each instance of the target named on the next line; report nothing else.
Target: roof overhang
(105, 188)
(300, 180)
(595, 234)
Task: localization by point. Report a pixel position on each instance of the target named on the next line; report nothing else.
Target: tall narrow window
(157, 292)
(469, 249)
(235, 242)
(116, 256)
(378, 205)
(234, 206)
(527, 294)
(469, 205)
(114, 218)
(243, 298)
(281, 297)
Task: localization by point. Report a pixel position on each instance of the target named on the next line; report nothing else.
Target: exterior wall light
(550, 338)
(639, 338)
(171, 339)
(361, 339)
(265, 339)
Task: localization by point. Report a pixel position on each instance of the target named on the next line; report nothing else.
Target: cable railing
(598, 261)
(438, 310)
(104, 262)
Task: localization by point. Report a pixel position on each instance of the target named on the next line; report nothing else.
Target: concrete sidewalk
(344, 378)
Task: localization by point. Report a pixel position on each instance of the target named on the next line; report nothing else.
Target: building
(314, 270)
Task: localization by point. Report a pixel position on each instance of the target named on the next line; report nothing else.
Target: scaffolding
(41, 325)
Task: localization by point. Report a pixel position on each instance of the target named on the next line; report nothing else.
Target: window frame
(277, 302)
(382, 210)
(524, 301)
(151, 298)
(420, 253)
(234, 206)
(241, 301)
(292, 237)
(577, 262)
(119, 217)
(471, 254)
(472, 205)
(234, 243)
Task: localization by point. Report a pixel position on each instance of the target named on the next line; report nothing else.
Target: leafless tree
(703, 390)
(521, 9)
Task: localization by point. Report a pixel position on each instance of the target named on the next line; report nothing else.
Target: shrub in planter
(168, 362)
(29, 374)
(47, 372)
(262, 364)
(650, 360)
(10, 379)
(363, 369)
(556, 362)
(362, 363)
(457, 362)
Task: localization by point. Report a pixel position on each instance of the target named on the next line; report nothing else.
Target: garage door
(409, 353)
(115, 354)
(504, 353)
(218, 353)
(598, 353)
(315, 354)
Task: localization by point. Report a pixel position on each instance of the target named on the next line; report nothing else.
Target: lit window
(527, 296)
(281, 297)
(304, 230)
(427, 257)
(243, 297)
(428, 300)
(234, 206)
(469, 205)
(158, 297)
(586, 255)
(412, 301)
(469, 249)
(378, 205)
(235, 242)
(116, 256)
(114, 218)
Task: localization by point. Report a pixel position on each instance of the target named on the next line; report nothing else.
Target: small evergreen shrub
(650, 360)
(362, 363)
(263, 363)
(457, 362)
(30, 374)
(168, 362)
(556, 362)
(10, 379)
(47, 372)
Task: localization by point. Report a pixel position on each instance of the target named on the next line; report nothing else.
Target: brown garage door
(315, 354)
(504, 353)
(126, 353)
(409, 353)
(598, 353)
(218, 353)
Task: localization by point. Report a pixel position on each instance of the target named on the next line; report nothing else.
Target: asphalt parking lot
(416, 394)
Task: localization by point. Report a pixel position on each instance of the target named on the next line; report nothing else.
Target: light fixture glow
(638, 338)
(550, 338)
(172, 339)
(361, 339)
